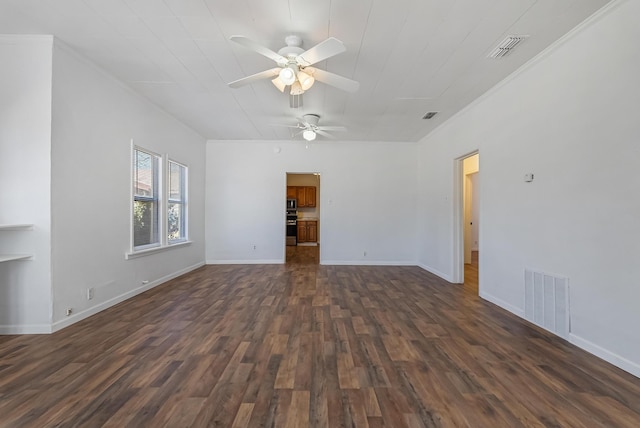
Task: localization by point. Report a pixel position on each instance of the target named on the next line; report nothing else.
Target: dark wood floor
(308, 255)
(301, 345)
(471, 274)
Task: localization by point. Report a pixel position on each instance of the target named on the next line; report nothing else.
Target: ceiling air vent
(430, 115)
(506, 46)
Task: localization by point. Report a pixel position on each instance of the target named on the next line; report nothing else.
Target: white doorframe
(458, 218)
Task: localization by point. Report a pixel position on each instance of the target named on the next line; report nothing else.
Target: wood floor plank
(299, 345)
(243, 416)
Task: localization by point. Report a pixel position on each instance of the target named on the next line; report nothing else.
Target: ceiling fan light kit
(306, 81)
(287, 75)
(278, 84)
(309, 135)
(296, 88)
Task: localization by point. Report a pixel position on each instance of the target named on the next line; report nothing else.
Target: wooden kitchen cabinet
(312, 231)
(301, 195)
(307, 231)
(302, 231)
(305, 195)
(310, 195)
(292, 192)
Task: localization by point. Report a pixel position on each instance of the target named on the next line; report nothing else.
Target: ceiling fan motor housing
(293, 48)
(311, 119)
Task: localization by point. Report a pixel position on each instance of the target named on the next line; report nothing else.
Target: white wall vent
(506, 46)
(546, 302)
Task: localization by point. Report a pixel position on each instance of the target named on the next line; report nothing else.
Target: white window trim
(160, 193)
(185, 202)
(155, 250)
(163, 198)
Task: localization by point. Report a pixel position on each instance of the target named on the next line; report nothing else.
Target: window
(146, 199)
(177, 203)
(159, 206)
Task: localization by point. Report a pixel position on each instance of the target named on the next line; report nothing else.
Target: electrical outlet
(144, 282)
(254, 247)
(90, 293)
(365, 254)
(69, 310)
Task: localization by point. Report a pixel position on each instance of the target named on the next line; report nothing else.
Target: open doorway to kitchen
(467, 221)
(303, 218)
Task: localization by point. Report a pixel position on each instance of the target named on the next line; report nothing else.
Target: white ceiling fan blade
(324, 134)
(333, 128)
(255, 77)
(256, 47)
(321, 51)
(334, 80)
(280, 125)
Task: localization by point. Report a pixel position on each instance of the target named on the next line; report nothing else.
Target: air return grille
(506, 46)
(546, 301)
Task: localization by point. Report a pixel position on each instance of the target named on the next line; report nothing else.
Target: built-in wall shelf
(16, 226)
(10, 257)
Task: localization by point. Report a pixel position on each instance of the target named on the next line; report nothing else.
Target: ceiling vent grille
(507, 46)
(430, 115)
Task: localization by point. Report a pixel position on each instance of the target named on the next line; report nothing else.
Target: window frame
(156, 197)
(184, 202)
(162, 190)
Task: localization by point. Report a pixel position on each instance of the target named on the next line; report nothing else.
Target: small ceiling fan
(309, 128)
(294, 65)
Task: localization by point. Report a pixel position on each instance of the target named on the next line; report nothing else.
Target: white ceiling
(410, 56)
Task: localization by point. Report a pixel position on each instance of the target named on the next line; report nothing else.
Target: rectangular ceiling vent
(430, 115)
(506, 46)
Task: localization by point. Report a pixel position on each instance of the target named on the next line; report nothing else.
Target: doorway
(467, 221)
(304, 247)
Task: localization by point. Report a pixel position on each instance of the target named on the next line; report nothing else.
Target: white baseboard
(608, 356)
(245, 262)
(436, 272)
(59, 325)
(365, 263)
(25, 329)
(504, 305)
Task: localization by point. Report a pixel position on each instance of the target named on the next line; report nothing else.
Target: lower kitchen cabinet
(307, 231)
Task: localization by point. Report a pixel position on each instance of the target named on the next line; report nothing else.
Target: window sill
(154, 250)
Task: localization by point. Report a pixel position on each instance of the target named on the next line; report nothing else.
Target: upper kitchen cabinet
(306, 195)
(292, 192)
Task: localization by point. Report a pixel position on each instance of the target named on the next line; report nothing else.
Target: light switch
(528, 178)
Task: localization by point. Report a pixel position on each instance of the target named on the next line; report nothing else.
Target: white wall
(95, 118)
(25, 159)
(368, 200)
(571, 118)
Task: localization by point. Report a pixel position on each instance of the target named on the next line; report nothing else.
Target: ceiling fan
(309, 128)
(294, 65)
